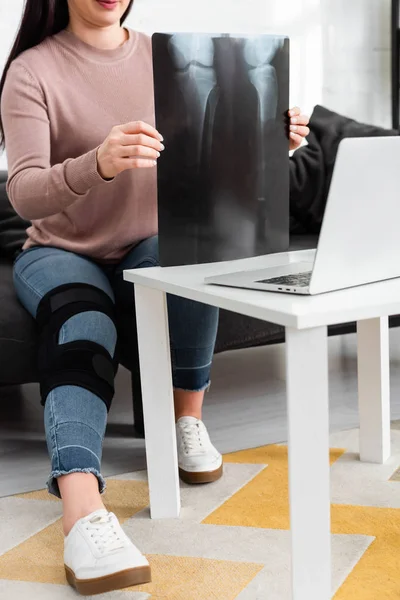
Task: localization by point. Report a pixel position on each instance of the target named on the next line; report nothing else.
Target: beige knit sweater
(60, 101)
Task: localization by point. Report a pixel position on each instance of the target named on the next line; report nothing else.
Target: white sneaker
(99, 557)
(198, 460)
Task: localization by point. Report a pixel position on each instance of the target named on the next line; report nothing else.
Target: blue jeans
(75, 419)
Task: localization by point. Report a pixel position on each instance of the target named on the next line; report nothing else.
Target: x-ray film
(223, 180)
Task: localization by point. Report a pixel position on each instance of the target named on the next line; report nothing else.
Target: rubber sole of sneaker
(109, 583)
(203, 477)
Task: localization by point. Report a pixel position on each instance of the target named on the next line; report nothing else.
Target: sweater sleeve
(37, 189)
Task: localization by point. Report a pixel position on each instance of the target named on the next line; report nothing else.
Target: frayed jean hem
(52, 484)
(203, 388)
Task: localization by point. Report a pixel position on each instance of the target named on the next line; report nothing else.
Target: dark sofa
(18, 336)
(311, 172)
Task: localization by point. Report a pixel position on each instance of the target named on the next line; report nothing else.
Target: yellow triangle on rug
(232, 540)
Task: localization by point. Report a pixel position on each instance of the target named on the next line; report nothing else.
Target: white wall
(300, 19)
(356, 63)
(340, 48)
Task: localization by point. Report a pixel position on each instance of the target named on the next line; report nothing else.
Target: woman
(77, 118)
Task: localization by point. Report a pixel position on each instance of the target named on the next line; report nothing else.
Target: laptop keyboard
(299, 280)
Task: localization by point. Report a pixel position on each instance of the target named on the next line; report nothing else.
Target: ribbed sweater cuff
(81, 173)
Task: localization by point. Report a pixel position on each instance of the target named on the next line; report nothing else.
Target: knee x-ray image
(223, 180)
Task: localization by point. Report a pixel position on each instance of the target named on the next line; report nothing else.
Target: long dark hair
(41, 19)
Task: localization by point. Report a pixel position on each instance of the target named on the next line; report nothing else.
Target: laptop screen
(223, 181)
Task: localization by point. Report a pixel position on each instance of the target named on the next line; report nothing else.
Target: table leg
(309, 468)
(158, 403)
(374, 389)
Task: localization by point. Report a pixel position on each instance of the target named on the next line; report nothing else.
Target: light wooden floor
(244, 408)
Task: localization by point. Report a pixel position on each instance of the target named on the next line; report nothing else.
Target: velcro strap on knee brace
(68, 300)
(84, 364)
(81, 363)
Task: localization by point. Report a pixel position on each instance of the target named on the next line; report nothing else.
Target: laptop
(360, 237)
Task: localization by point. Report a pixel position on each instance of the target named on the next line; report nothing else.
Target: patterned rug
(232, 540)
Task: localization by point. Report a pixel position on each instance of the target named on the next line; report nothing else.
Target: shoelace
(104, 533)
(192, 437)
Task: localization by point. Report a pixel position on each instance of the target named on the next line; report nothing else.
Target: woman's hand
(299, 129)
(135, 145)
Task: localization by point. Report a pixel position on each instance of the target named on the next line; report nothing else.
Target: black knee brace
(81, 363)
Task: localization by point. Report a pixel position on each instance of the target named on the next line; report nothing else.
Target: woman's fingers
(296, 138)
(138, 127)
(300, 120)
(300, 130)
(142, 139)
(139, 151)
(294, 112)
(129, 146)
(137, 163)
(298, 126)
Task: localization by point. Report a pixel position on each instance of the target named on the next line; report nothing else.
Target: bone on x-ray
(223, 183)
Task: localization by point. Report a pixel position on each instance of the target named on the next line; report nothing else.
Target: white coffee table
(305, 320)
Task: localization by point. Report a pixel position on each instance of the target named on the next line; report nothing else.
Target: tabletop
(290, 310)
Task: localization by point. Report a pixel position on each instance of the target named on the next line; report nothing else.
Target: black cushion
(17, 334)
(12, 227)
(311, 167)
(17, 328)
